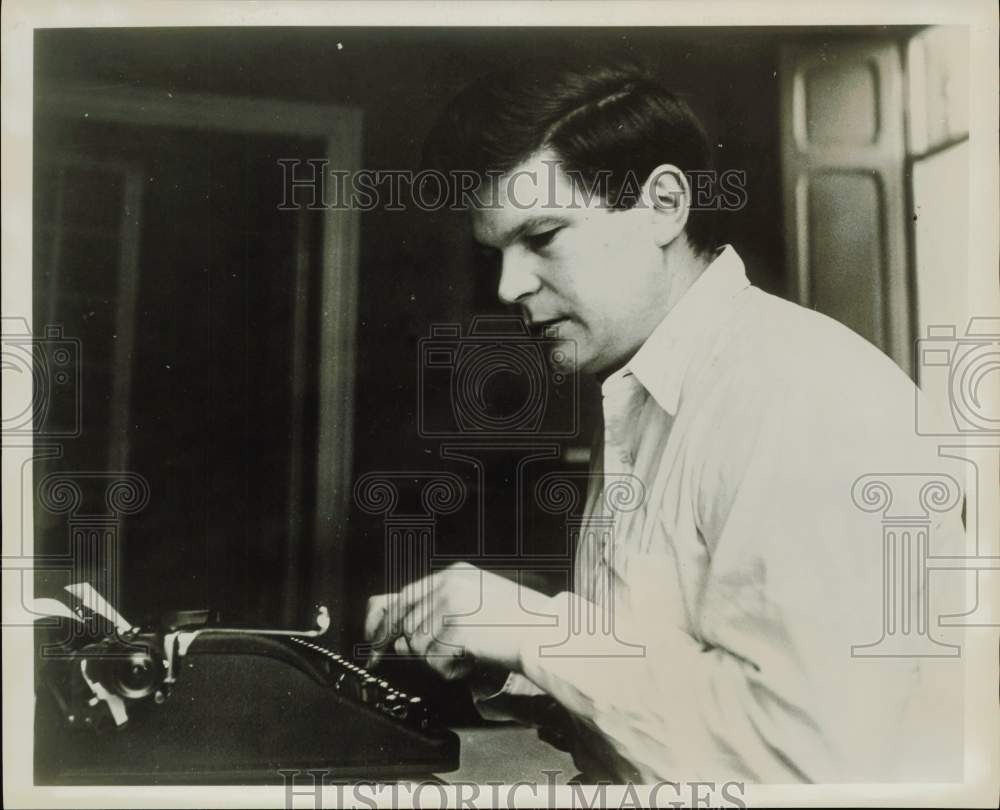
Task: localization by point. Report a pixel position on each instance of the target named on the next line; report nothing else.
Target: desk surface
(508, 754)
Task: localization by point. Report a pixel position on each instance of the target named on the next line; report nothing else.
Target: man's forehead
(527, 183)
(536, 192)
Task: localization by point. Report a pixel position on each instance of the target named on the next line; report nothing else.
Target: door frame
(340, 128)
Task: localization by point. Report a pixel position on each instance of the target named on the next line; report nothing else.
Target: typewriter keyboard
(357, 683)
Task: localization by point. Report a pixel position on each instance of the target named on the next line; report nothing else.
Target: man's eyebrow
(529, 224)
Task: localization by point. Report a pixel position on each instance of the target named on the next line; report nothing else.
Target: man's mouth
(548, 326)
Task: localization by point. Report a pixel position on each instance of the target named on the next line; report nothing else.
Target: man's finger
(402, 647)
(420, 619)
(377, 607)
(382, 627)
(422, 625)
(388, 613)
(413, 600)
(450, 660)
(417, 591)
(385, 624)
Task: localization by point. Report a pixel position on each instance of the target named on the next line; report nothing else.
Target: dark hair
(607, 122)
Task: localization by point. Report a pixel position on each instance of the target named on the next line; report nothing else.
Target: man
(729, 595)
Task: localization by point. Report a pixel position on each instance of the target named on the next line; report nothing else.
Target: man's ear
(669, 196)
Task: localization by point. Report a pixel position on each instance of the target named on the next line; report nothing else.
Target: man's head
(584, 196)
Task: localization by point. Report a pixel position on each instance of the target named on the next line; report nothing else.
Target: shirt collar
(662, 361)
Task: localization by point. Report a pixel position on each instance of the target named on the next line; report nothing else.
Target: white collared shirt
(725, 602)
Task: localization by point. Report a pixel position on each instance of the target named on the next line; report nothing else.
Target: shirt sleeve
(765, 684)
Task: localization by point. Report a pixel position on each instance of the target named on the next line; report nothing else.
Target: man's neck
(682, 267)
(683, 270)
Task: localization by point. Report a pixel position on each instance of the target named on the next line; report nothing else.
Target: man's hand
(454, 619)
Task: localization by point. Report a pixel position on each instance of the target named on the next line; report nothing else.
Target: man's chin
(564, 353)
(599, 367)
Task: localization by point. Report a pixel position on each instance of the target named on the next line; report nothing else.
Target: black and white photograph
(472, 404)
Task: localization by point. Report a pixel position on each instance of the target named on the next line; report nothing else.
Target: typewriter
(191, 702)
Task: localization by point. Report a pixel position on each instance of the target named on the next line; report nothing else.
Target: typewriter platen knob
(132, 670)
(138, 676)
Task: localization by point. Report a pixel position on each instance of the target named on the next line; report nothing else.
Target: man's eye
(536, 241)
(487, 255)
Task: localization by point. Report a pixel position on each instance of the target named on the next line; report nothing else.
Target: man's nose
(517, 280)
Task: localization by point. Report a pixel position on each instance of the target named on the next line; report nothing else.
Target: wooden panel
(842, 104)
(842, 134)
(847, 273)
